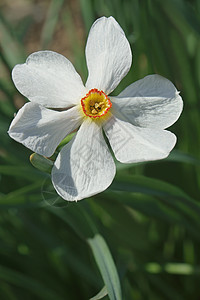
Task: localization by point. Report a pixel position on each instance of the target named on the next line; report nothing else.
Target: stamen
(94, 111)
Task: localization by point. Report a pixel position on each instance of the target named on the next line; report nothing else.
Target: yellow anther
(94, 111)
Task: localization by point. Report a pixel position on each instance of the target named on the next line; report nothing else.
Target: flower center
(95, 104)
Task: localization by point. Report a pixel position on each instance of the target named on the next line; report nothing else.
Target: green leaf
(12, 50)
(51, 22)
(28, 173)
(183, 157)
(146, 185)
(155, 187)
(103, 292)
(87, 12)
(106, 266)
(22, 196)
(25, 282)
(161, 198)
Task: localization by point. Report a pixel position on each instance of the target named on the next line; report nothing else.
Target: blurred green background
(149, 219)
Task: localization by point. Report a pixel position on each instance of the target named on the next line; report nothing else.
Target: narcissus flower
(134, 121)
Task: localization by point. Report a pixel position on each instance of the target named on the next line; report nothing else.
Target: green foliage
(142, 234)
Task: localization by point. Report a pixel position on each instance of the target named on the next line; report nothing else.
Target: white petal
(134, 144)
(41, 129)
(151, 102)
(48, 78)
(149, 86)
(84, 167)
(108, 55)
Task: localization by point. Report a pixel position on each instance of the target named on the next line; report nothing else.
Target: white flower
(134, 121)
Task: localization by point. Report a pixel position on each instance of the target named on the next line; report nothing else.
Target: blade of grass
(51, 22)
(106, 266)
(103, 292)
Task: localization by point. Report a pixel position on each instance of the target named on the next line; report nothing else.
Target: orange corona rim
(95, 104)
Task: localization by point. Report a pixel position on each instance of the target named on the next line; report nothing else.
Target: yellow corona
(95, 104)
